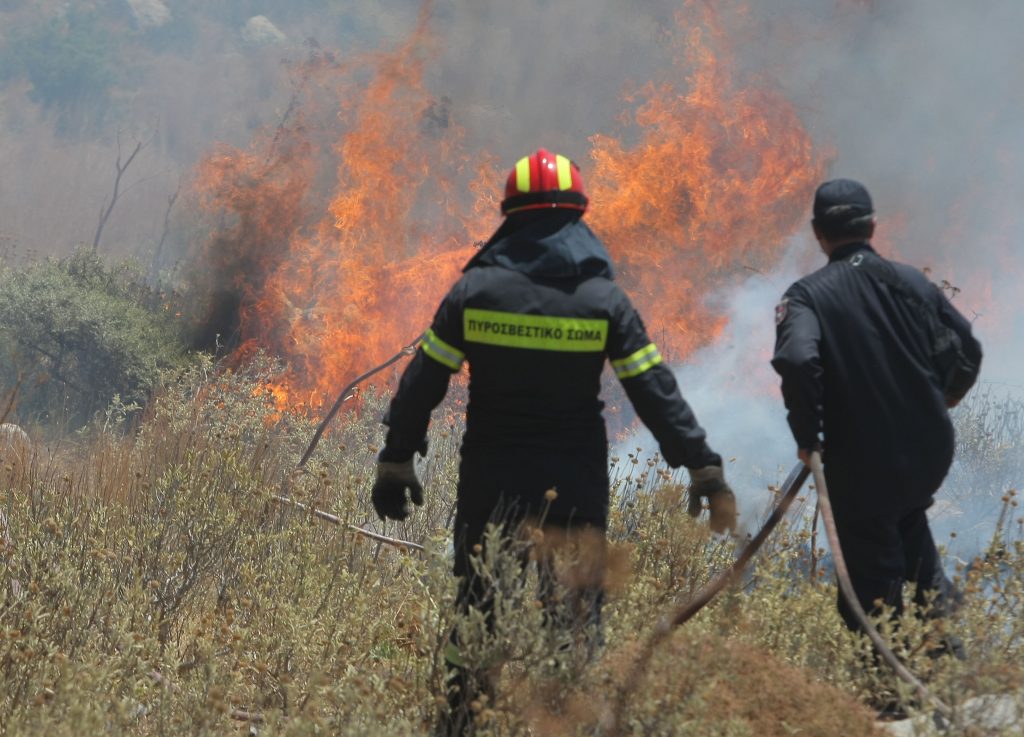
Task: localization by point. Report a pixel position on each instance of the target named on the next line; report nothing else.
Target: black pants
(882, 553)
(509, 486)
(572, 610)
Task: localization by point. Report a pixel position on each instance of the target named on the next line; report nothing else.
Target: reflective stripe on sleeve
(444, 354)
(633, 365)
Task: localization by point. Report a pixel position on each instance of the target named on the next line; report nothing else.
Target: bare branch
(158, 253)
(150, 178)
(333, 519)
(406, 351)
(120, 169)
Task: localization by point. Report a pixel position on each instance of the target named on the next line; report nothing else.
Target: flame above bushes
(339, 232)
(717, 181)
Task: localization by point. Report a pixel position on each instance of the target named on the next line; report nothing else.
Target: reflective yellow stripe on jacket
(442, 352)
(635, 364)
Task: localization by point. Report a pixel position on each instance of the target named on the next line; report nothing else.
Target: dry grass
(150, 587)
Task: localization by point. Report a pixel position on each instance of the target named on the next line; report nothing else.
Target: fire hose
(689, 609)
(407, 350)
(346, 394)
(335, 520)
(846, 587)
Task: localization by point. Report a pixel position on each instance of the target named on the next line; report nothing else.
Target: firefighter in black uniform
(535, 314)
(856, 350)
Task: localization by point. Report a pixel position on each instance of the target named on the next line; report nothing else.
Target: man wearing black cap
(872, 355)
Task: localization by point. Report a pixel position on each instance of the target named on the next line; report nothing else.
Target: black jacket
(856, 365)
(535, 314)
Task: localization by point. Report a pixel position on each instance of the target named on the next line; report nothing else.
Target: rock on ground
(149, 13)
(989, 714)
(259, 31)
(16, 451)
(13, 440)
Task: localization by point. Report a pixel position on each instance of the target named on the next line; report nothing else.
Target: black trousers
(572, 610)
(885, 551)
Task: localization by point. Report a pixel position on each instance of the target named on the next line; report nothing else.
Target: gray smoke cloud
(734, 391)
(548, 73)
(921, 101)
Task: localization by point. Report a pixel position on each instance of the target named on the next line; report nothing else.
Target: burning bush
(335, 234)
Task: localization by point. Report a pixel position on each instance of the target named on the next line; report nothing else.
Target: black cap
(840, 201)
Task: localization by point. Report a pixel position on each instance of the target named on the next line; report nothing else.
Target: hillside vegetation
(80, 79)
(150, 582)
(152, 586)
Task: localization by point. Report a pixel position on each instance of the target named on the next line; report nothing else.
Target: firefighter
(535, 314)
(858, 350)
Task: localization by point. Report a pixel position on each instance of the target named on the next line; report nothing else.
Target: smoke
(732, 387)
(548, 73)
(922, 101)
(919, 99)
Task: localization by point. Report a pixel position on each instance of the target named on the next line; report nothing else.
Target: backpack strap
(885, 273)
(945, 346)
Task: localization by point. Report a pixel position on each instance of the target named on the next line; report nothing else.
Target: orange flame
(718, 178)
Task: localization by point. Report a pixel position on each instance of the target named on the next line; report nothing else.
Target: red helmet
(544, 180)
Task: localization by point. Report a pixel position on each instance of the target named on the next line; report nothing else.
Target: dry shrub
(149, 587)
(709, 684)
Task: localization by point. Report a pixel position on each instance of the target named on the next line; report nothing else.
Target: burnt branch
(119, 170)
(158, 253)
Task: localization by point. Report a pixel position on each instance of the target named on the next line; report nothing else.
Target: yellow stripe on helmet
(564, 167)
(523, 174)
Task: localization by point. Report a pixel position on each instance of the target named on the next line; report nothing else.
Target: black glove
(388, 494)
(709, 483)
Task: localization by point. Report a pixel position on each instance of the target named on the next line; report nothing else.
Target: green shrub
(80, 334)
(71, 62)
